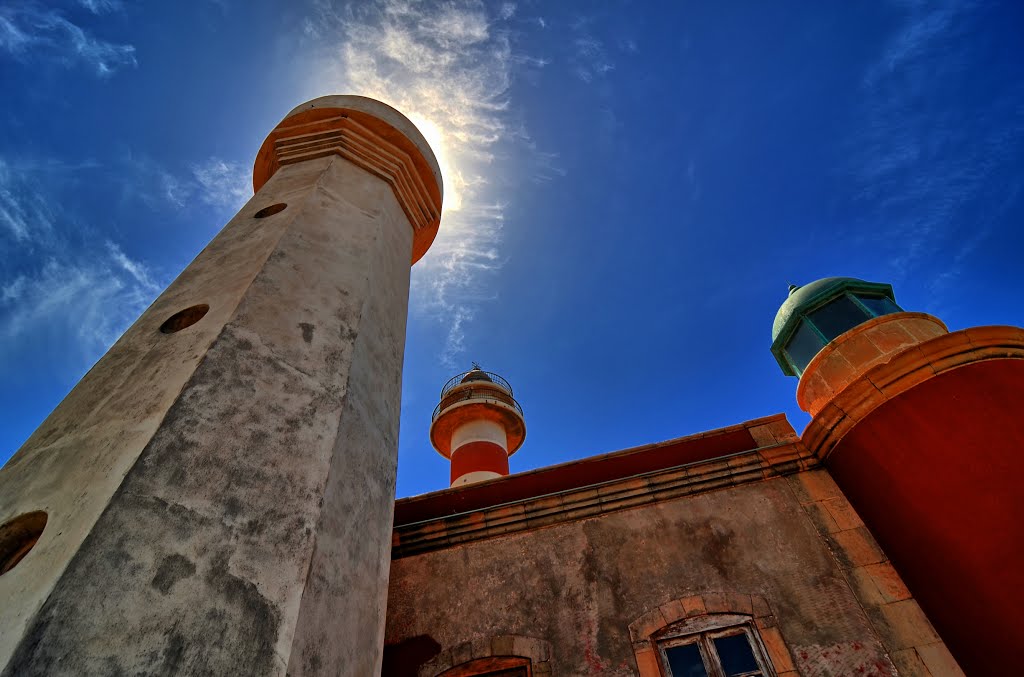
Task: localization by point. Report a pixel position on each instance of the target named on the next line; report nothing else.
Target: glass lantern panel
(879, 305)
(837, 317)
(803, 345)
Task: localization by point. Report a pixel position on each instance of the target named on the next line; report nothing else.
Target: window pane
(736, 655)
(879, 305)
(804, 345)
(837, 317)
(685, 661)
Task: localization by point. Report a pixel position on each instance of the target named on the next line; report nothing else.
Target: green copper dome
(805, 296)
(821, 311)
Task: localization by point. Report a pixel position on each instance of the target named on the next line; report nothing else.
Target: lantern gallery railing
(481, 394)
(458, 379)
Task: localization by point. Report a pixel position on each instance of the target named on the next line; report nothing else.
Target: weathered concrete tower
(215, 496)
(478, 425)
(922, 429)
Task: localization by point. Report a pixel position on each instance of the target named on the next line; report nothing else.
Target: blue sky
(630, 186)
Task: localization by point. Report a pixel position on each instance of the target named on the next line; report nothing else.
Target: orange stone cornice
(846, 358)
(904, 370)
(372, 136)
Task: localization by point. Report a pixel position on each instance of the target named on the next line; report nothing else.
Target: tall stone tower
(922, 429)
(215, 496)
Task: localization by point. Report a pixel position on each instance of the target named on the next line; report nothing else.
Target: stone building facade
(735, 528)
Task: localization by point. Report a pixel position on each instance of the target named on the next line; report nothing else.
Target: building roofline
(703, 446)
(654, 473)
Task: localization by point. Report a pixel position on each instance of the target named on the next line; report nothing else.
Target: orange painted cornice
(846, 358)
(372, 136)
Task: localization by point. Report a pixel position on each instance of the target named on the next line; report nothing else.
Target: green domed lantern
(818, 313)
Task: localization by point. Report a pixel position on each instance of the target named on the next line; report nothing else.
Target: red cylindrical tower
(923, 430)
(478, 425)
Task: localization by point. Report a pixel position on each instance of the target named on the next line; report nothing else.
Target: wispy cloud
(223, 183)
(544, 165)
(23, 213)
(136, 269)
(61, 304)
(590, 58)
(928, 159)
(101, 6)
(29, 32)
(448, 66)
(928, 23)
(628, 45)
(81, 305)
(547, 167)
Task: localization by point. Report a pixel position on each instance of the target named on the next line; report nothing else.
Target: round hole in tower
(270, 211)
(18, 537)
(184, 318)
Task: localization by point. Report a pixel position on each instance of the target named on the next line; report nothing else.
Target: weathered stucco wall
(77, 458)
(579, 585)
(260, 499)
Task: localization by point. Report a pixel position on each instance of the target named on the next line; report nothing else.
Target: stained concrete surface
(261, 501)
(74, 462)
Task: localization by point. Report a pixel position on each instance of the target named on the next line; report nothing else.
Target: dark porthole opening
(184, 318)
(18, 537)
(270, 211)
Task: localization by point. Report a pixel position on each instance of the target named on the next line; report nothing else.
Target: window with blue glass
(733, 651)
(804, 345)
(879, 305)
(830, 321)
(837, 317)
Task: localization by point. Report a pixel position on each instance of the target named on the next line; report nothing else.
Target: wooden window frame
(704, 611)
(702, 631)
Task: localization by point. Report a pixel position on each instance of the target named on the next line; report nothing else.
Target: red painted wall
(477, 457)
(937, 473)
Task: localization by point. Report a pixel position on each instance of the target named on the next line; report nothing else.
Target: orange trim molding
(369, 143)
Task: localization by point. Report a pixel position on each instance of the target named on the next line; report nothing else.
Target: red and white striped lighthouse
(477, 425)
